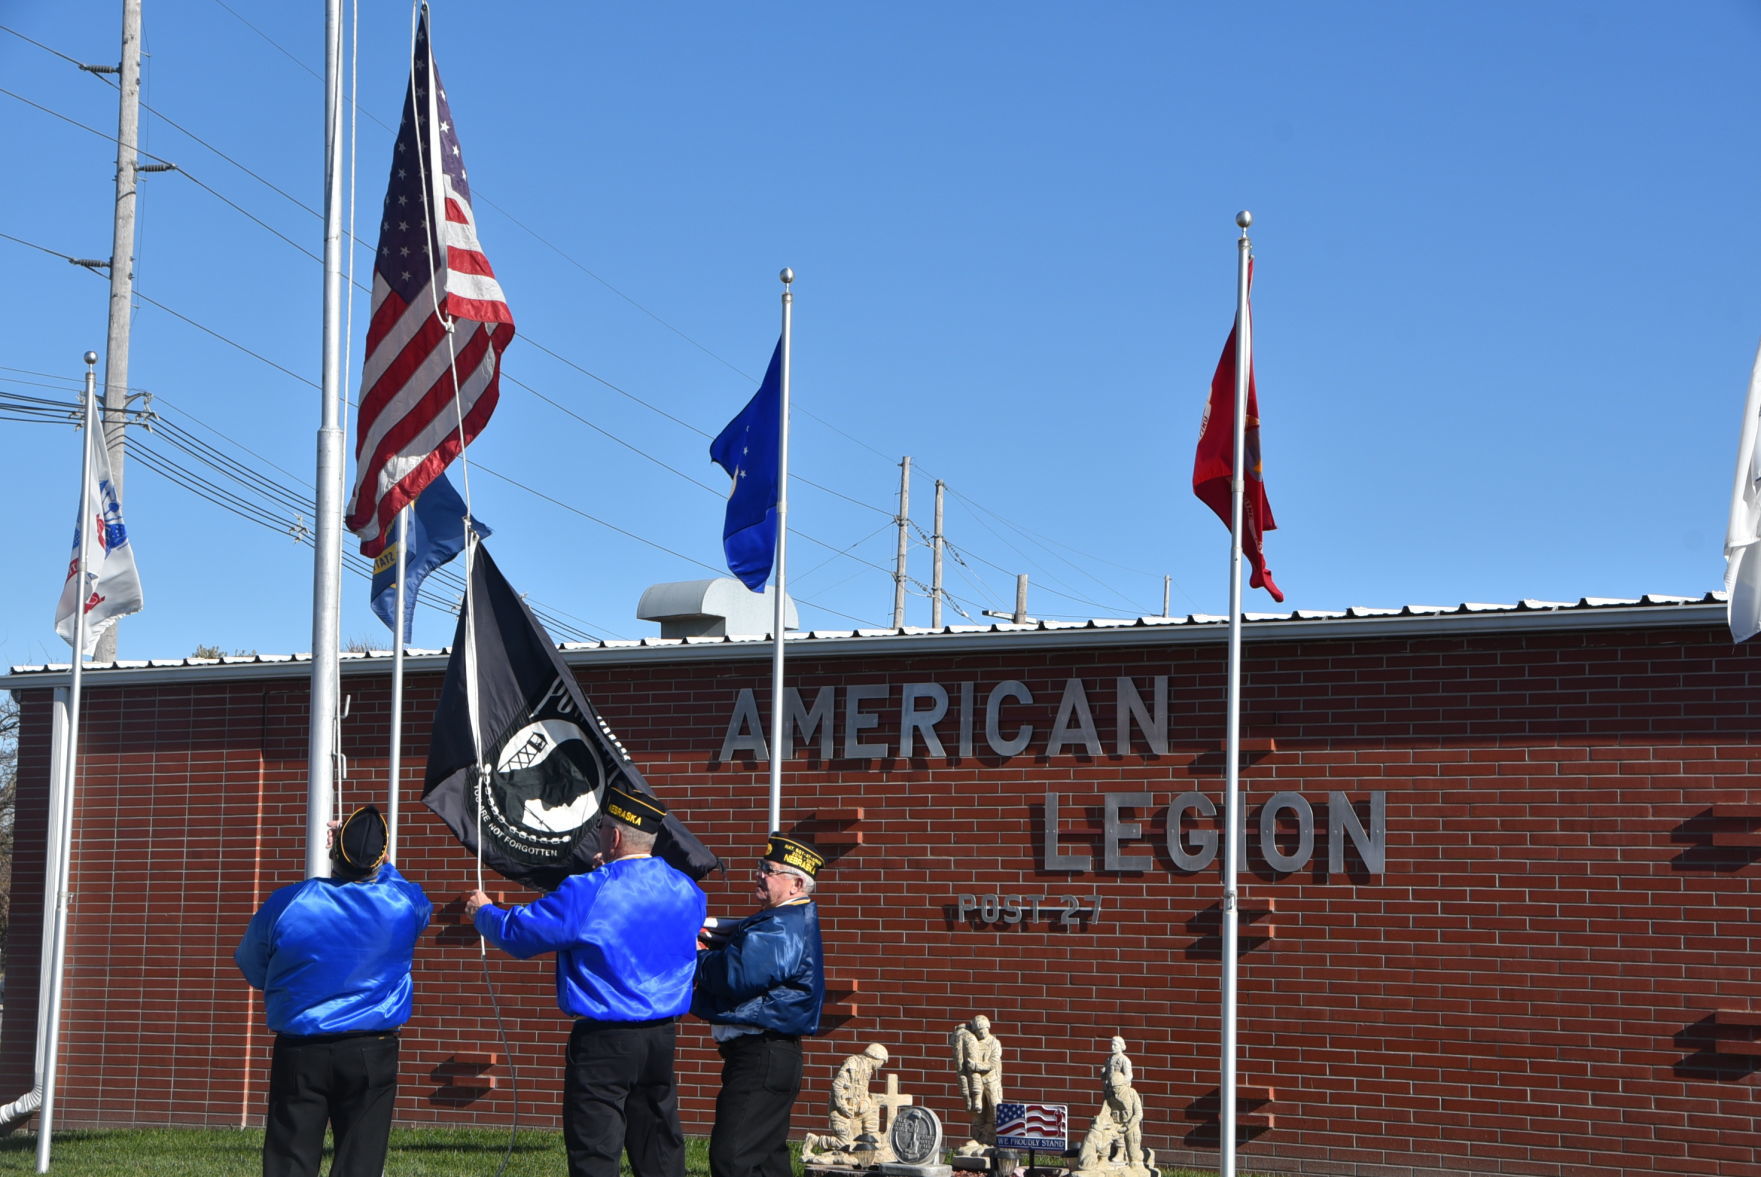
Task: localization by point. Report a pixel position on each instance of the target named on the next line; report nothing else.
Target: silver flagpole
(58, 742)
(1232, 770)
(780, 607)
(395, 768)
(70, 764)
(327, 541)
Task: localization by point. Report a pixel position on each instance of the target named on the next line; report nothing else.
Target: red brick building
(1498, 908)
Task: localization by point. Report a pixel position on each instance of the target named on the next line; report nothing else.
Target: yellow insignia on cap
(634, 809)
(795, 853)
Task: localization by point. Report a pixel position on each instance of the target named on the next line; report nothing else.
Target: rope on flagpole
(430, 140)
(427, 124)
(425, 120)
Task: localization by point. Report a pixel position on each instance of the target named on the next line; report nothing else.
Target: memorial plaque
(916, 1136)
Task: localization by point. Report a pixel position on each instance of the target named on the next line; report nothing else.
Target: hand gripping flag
(429, 274)
(750, 450)
(436, 533)
(112, 585)
(1214, 466)
(548, 753)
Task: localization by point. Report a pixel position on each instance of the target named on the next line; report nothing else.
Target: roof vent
(722, 607)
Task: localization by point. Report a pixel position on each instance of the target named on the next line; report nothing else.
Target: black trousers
(761, 1076)
(618, 1097)
(348, 1082)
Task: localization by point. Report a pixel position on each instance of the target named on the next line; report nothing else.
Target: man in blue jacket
(332, 957)
(761, 987)
(625, 938)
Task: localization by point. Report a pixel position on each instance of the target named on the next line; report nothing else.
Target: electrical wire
(1068, 592)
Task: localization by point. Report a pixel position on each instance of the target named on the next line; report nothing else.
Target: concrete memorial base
(821, 1169)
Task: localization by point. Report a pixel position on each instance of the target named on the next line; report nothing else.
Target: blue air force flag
(750, 450)
(436, 534)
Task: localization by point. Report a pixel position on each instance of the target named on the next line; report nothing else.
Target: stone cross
(892, 1101)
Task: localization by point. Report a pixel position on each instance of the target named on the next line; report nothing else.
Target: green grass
(237, 1152)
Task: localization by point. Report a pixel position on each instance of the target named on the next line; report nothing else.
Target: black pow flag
(531, 808)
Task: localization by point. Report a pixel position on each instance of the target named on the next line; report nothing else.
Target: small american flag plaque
(1033, 1127)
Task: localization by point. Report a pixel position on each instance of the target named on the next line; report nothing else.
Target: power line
(40, 45)
(1041, 543)
(245, 493)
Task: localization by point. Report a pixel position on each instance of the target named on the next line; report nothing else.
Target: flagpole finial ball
(787, 275)
(91, 357)
(1244, 218)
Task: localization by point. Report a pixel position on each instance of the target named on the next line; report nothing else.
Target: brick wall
(1539, 982)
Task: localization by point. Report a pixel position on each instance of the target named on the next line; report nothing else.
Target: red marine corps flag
(426, 391)
(1214, 467)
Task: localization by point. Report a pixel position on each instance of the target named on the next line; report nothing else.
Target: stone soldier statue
(1114, 1145)
(852, 1107)
(978, 1054)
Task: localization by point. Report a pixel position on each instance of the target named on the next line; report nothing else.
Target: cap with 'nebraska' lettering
(635, 809)
(794, 852)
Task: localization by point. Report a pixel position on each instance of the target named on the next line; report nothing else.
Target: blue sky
(1505, 302)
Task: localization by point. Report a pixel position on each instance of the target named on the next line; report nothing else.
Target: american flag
(410, 424)
(1044, 1127)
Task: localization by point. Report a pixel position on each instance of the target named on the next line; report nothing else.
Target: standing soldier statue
(978, 1061)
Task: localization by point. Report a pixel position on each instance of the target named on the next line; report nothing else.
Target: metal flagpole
(63, 839)
(59, 739)
(395, 768)
(1232, 770)
(327, 545)
(780, 607)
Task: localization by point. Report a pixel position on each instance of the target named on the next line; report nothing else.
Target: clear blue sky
(1506, 298)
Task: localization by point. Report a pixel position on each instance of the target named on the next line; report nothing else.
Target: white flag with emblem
(112, 586)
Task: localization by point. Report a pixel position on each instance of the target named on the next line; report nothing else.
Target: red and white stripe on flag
(426, 392)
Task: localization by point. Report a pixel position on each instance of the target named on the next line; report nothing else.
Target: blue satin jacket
(334, 957)
(769, 974)
(625, 938)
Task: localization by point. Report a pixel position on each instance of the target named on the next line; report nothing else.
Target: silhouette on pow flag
(531, 806)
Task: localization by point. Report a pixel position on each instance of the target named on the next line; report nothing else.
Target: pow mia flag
(547, 754)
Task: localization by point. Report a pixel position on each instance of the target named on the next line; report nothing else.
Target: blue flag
(436, 535)
(749, 450)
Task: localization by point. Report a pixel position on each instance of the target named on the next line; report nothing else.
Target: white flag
(1742, 543)
(112, 586)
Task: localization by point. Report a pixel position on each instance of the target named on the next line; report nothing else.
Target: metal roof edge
(1650, 612)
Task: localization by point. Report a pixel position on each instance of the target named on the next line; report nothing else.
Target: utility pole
(122, 248)
(1019, 617)
(935, 590)
(904, 522)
